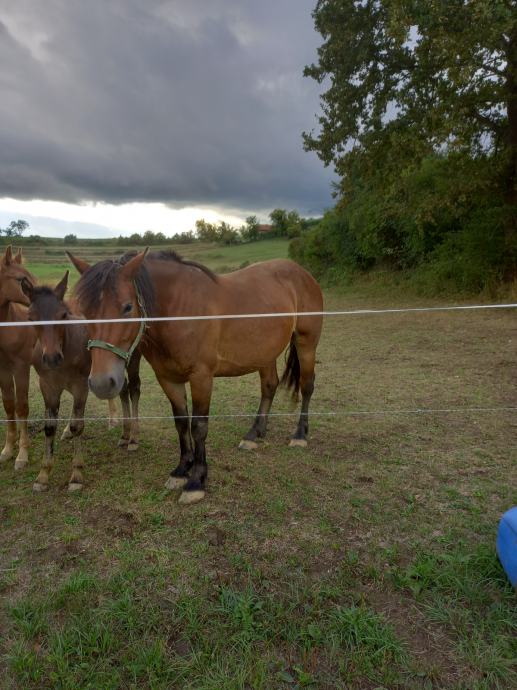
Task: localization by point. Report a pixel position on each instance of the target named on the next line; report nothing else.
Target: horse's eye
(127, 308)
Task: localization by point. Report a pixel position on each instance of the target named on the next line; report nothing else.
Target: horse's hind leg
(8, 398)
(133, 374)
(21, 380)
(307, 358)
(67, 434)
(77, 427)
(268, 386)
(112, 408)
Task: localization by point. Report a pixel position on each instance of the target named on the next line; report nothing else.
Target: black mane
(171, 255)
(103, 276)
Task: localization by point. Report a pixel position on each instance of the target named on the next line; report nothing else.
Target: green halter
(125, 355)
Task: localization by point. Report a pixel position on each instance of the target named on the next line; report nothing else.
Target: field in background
(366, 561)
(49, 263)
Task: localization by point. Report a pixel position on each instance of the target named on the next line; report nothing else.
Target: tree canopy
(419, 119)
(428, 73)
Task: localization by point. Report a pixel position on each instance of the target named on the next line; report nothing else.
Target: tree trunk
(511, 176)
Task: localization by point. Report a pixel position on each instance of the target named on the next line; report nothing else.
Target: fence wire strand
(269, 315)
(207, 317)
(343, 413)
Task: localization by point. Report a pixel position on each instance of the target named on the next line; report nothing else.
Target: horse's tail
(291, 376)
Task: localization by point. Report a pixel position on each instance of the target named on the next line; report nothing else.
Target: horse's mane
(171, 255)
(102, 276)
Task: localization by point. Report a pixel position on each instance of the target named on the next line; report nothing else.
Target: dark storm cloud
(189, 102)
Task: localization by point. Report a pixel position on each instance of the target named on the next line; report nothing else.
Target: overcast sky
(180, 104)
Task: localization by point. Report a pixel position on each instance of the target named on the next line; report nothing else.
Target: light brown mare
(63, 362)
(15, 355)
(162, 284)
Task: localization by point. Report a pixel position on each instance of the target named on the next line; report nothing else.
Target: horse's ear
(19, 258)
(81, 266)
(60, 289)
(130, 269)
(27, 288)
(8, 256)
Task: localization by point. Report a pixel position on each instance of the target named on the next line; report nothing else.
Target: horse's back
(277, 281)
(268, 287)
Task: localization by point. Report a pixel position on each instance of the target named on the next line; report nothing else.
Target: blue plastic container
(507, 544)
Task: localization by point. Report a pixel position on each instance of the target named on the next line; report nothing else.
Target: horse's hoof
(174, 483)
(39, 488)
(190, 497)
(75, 486)
(6, 454)
(248, 445)
(297, 443)
(20, 464)
(123, 442)
(132, 446)
(67, 434)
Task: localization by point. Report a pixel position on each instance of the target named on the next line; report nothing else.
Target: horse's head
(46, 304)
(110, 290)
(12, 275)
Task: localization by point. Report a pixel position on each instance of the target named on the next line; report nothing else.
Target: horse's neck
(181, 289)
(75, 339)
(9, 311)
(4, 311)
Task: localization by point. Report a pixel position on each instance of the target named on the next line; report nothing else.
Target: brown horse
(161, 284)
(15, 355)
(63, 362)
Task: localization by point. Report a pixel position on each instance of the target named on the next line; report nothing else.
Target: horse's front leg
(178, 398)
(52, 398)
(201, 387)
(126, 413)
(8, 398)
(22, 379)
(75, 482)
(133, 376)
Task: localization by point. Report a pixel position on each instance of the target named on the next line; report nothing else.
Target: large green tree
(408, 78)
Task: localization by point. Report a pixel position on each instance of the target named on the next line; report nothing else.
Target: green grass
(366, 561)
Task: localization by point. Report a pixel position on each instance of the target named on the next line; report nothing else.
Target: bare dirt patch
(112, 521)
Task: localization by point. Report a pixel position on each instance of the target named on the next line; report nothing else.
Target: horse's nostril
(112, 382)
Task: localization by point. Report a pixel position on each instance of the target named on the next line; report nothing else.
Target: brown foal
(16, 346)
(63, 362)
(162, 284)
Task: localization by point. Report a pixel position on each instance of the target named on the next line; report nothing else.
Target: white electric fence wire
(343, 413)
(270, 315)
(207, 317)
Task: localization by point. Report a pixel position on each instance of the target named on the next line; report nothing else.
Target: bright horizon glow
(115, 219)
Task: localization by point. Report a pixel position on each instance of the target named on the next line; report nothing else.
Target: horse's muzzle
(52, 361)
(106, 386)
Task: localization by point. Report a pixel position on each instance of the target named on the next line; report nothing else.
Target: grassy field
(366, 561)
(49, 263)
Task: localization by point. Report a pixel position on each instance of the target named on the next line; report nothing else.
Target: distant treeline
(283, 223)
